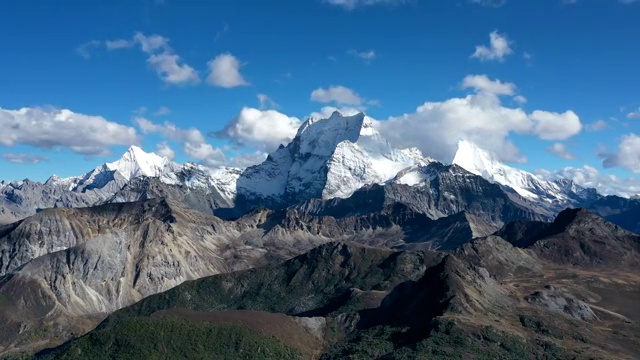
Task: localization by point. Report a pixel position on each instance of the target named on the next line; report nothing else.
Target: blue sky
(385, 57)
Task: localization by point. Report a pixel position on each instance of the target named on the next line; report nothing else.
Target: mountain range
(360, 249)
(337, 159)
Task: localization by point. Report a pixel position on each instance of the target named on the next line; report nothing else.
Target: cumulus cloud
(560, 150)
(163, 149)
(151, 43)
(336, 94)
(193, 142)
(364, 55)
(171, 70)
(589, 177)
(54, 128)
(224, 71)
(436, 127)
(23, 158)
(170, 131)
(205, 153)
(483, 83)
(353, 4)
(555, 126)
(627, 155)
(162, 58)
(262, 129)
(498, 48)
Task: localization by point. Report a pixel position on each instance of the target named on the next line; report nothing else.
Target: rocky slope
(372, 303)
(577, 237)
(444, 190)
(77, 265)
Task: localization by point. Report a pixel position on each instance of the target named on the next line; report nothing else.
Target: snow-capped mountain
(483, 163)
(19, 199)
(328, 158)
(135, 162)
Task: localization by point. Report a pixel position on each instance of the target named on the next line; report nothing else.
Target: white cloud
(118, 44)
(596, 126)
(337, 94)
(170, 131)
(560, 150)
(634, 114)
(555, 126)
(246, 160)
(225, 72)
(171, 71)
(498, 48)
(353, 4)
(163, 149)
(266, 102)
(193, 142)
(436, 127)
(31, 159)
(162, 111)
(207, 154)
(52, 128)
(520, 99)
(589, 177)
(364, 55)
(483, 83)
(85, 49)
(264, 130)
(151, 43)
(489, 3)
(627, 156)
(140, 111)
(162, 57)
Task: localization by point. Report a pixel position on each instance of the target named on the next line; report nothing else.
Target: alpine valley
(337, 246)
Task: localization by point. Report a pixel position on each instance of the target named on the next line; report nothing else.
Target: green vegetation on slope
(172, 338)
(311, 284)
(447, 340)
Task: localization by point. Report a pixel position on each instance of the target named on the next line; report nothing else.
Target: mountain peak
(487, 164)
(136, 162)
(337, 126)
(328, 158)
(475, 159)
(577, 216)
